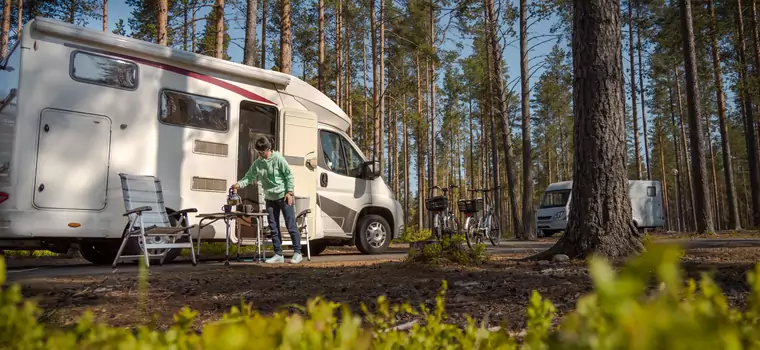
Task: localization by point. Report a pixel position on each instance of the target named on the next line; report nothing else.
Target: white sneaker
(296, 258)
(275, 259)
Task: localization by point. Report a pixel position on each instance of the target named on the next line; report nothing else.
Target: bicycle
(443, 219)
(476, 227)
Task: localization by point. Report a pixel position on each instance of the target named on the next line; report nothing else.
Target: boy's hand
(289, 198)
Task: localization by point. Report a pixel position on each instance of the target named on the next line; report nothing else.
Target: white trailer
(646, 206)
(80, 106)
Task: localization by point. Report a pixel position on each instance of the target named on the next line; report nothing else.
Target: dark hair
(263, 144)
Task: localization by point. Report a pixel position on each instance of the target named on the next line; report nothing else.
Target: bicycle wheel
(437, 227)
(495, 233)
(453, 227)
(471, 232)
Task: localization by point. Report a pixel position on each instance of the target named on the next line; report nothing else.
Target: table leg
(227, 243)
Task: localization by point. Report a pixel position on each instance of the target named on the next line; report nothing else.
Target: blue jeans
(288, 211)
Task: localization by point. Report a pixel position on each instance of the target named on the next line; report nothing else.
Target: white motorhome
(80, 106)
(646, 205)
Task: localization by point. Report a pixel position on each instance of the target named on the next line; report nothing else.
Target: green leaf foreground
(625, 310)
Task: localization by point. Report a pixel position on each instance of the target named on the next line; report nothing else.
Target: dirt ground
(498, 291)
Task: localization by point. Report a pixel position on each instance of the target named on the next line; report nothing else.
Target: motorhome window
(183, 109)
(332, 155)
(354, 161)
(101, 70)
(553, 199)
(651, 191)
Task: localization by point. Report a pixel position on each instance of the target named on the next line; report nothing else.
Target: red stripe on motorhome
(211, 80)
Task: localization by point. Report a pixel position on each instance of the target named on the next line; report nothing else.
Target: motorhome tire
(374, 235)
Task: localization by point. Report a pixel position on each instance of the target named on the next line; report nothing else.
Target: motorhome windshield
(553, 199)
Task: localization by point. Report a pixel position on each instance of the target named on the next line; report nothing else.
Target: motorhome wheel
(374, 235)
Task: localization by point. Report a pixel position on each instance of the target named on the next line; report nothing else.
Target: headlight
(559, 216)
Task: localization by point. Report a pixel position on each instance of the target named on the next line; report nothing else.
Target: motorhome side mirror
(371, 169)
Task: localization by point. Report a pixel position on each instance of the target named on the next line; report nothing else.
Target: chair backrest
(142, 191)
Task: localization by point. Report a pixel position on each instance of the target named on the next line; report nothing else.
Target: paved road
(508, 247)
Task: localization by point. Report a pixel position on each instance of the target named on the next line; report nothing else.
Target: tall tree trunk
(263, 33)
(249, 51)
(600, 216)
(637, 147)
(698, 165)
(496, 79)
(347, 85)
(714, 194)
(381, 86)
(185, 24)
(19, 16)
(686, 154)
(321, 62)
(432, 86)
(528, 220)
(366, 101)
(680, 202)
(338, 51)
(406, 152)
(728, 173)
(6, 30)
(192, 25)
(376, 136)
(72, 10)
(219, 49)
(105, 15)
(285, 55)
(641, 90)
(420, 149)
(663, 173)
(754, 178)
(163, 13)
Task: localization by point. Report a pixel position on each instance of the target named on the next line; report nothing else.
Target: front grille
(544, 217)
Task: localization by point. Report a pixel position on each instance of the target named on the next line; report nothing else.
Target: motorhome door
(256, 120)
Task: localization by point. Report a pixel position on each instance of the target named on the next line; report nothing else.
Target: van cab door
(342, 192)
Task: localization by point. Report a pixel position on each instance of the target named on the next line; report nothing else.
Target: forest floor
(496, 291)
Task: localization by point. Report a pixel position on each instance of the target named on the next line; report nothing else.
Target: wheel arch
(385, 213)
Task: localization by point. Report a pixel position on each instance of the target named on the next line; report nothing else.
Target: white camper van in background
(646, 204)
(80, 106)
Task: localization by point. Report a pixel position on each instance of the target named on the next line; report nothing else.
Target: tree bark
(338, 52)
(219, 48)
(749, 128)
(663, 173)
(420, 150)
(432, 86)
(347, 101)
(376, 143)
(192, 25)
(381, 86)
(163, 13)
(728, 173)
(249, 51)
(406, 154)
(185, 24)
(497, 89)
(20, 16)
(637, 152)
(641, 90)
(687, 159)
(263, 33)
(321, 62)
(701, 202)
(528, 220)
(6, 30)
(600, 215)
(680, 202)
(285, 55)
(366, 101)
(105, 15)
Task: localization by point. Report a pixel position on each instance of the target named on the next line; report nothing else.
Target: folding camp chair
(144, 204)
(302, 213)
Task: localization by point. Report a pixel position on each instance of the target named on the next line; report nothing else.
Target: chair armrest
(304, 213)
(138, 210)
(184, 211)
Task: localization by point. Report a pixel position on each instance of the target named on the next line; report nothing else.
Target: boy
(277, 182)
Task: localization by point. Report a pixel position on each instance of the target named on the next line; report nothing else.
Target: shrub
(413, 234)
(451, 249)
(623, 311)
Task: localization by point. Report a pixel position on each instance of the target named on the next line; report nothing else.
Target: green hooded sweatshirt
(274, 174)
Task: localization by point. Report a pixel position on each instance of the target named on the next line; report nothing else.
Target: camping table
(227, 217)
